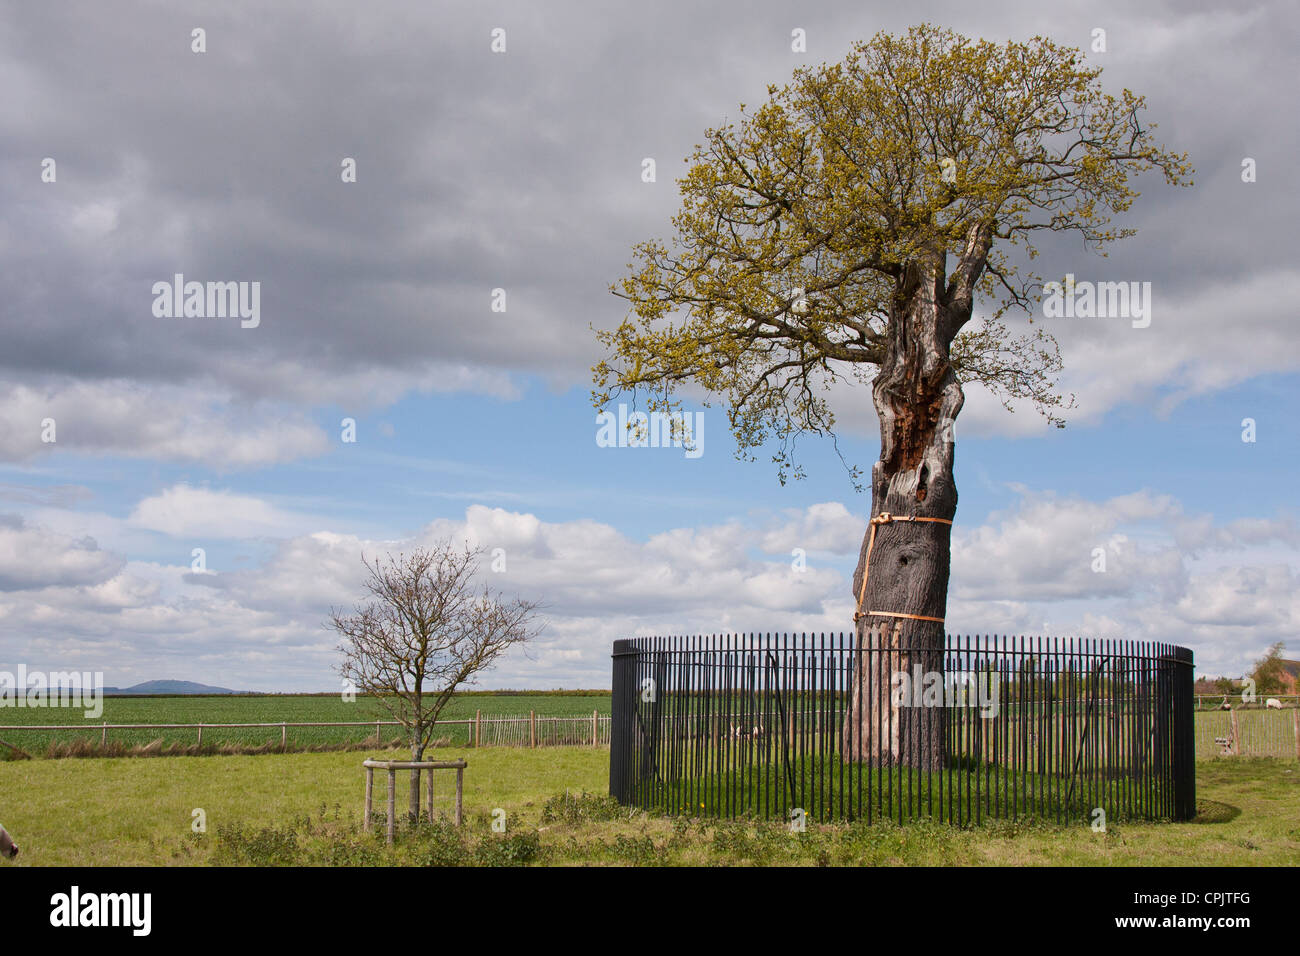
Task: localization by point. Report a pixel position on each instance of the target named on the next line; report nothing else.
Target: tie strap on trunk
(886, 518)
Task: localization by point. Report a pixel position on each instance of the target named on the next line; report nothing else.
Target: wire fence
(1256, 702)
(788, 727)
(482, 730)
(1248, 733)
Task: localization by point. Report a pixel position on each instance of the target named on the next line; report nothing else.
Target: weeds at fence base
(571, 808)
(330, 840)
(590, 829)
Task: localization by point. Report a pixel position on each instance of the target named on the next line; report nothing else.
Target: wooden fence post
(370, 789)
(1236, 741)
(460, 790)
(595, 728)
(103, 738)
(532, 728)
(200, 735)
(431, 774)
(478, 728)
(392, 789)
(1295, 720)
(378, 738)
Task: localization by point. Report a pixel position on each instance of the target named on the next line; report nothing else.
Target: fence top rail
(414, 764)
(994, 645)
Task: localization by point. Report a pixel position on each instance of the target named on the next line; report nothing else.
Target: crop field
(562, 718)
(291, 709)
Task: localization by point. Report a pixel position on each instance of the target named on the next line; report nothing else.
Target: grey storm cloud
(479, 170)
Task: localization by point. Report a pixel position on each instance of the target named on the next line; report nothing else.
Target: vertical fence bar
(1145, 728)
(767, 690)
(909, 729)
(686, 712)
(1071, 738)
(1053, 710)
(837, 734)
(621, 722)
(887, 666)
(1015, 745)
(1130, 735)
(826, 802)
(669, 763)
(858, 677)
(952, 678)
(750, 748)
(728, 719)
(706, 724)
(1033, 726)
(661, 700)
(1164, 697)
(1185, 724)
(797, 713)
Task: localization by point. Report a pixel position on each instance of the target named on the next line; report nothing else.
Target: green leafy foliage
(805, 225)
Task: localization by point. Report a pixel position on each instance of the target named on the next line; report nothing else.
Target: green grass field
(269, 709)
(306, 808)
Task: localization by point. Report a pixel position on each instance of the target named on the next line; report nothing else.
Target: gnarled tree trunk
(917, 396)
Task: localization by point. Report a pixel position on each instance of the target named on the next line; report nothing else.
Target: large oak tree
(843, 232)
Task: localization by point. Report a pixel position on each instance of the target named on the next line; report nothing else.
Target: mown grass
(306, 808)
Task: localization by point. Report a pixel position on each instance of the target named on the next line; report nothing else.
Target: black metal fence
(813, 727)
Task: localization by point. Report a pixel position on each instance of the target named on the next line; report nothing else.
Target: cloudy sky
(522, 171)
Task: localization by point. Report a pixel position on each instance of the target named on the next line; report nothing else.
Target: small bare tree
(427, 630)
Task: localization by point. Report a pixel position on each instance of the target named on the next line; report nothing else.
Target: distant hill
(170, 687)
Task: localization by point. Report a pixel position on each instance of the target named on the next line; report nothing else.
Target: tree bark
(917, 397)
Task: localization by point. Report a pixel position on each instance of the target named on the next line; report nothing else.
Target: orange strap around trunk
(885, 518)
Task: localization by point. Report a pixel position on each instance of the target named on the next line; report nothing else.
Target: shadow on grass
(1211, 811)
